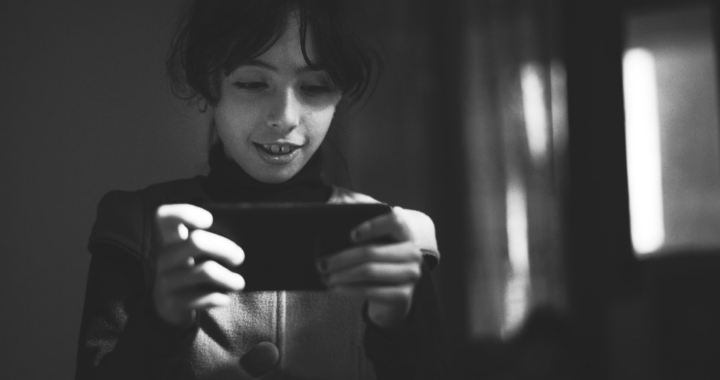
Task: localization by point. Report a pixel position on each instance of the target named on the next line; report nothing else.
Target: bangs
(347, 58)
(214, 37)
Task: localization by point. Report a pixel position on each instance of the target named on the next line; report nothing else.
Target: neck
(228, 182)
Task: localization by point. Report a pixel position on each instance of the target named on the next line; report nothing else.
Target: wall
(86, 109)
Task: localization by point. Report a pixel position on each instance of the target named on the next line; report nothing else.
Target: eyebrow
(262, 64)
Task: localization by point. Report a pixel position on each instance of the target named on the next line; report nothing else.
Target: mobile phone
(283, 241)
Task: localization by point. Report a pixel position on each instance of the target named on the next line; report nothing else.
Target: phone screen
(282, 241)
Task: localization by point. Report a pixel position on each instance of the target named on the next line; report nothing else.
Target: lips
(278, 148)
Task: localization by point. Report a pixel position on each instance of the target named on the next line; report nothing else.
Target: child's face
(274, 111)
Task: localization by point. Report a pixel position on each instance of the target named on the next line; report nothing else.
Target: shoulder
(124, 219)
(420, 225)
(119, 222)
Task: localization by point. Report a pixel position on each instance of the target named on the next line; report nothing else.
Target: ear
(207, 100)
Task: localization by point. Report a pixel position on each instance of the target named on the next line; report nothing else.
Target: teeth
(277, 148)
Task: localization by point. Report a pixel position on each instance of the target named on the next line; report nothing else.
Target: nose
(285, 110)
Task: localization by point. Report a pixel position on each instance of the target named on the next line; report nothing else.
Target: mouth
(277, 149)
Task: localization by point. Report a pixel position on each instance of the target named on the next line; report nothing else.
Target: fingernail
(322, 265)
(358, 232)
(361, 230)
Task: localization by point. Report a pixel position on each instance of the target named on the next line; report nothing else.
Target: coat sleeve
(414, 350)
(120, 335)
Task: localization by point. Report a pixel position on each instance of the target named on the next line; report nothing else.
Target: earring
(202, 105)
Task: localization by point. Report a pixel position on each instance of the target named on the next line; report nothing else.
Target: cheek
(234, 122)
(321, 121)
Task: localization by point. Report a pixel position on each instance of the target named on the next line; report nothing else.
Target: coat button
(261, 359)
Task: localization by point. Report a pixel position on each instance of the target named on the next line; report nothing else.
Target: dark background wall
(85, 109)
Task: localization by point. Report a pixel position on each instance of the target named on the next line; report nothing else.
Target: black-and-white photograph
(360, 189)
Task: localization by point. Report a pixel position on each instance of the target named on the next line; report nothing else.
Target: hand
(384, 273)
(182, 285)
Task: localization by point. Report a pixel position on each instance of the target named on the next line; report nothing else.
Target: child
(164, 303)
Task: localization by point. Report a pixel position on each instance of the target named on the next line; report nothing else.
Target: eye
(251, 86)
(316, 89)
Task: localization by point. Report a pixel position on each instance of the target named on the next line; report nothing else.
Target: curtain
(468, 125)
(515, 132)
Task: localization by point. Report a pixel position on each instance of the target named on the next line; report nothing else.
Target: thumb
(174, 220)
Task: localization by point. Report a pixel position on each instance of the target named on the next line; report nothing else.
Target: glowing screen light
(642, 134)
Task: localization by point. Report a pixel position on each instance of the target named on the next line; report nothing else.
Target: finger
(192, 300)
(380, 294)
(170, 218)
(209, 301)
(201, 244)
(391, 225)
(208, 276)
(179, 308)
(391, 253)
(376, 274)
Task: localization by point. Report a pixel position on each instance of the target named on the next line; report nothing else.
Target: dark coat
(271, 334)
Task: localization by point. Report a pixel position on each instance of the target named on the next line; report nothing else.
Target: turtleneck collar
(228, 182)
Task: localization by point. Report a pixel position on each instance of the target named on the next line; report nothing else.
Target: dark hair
(214, 37)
